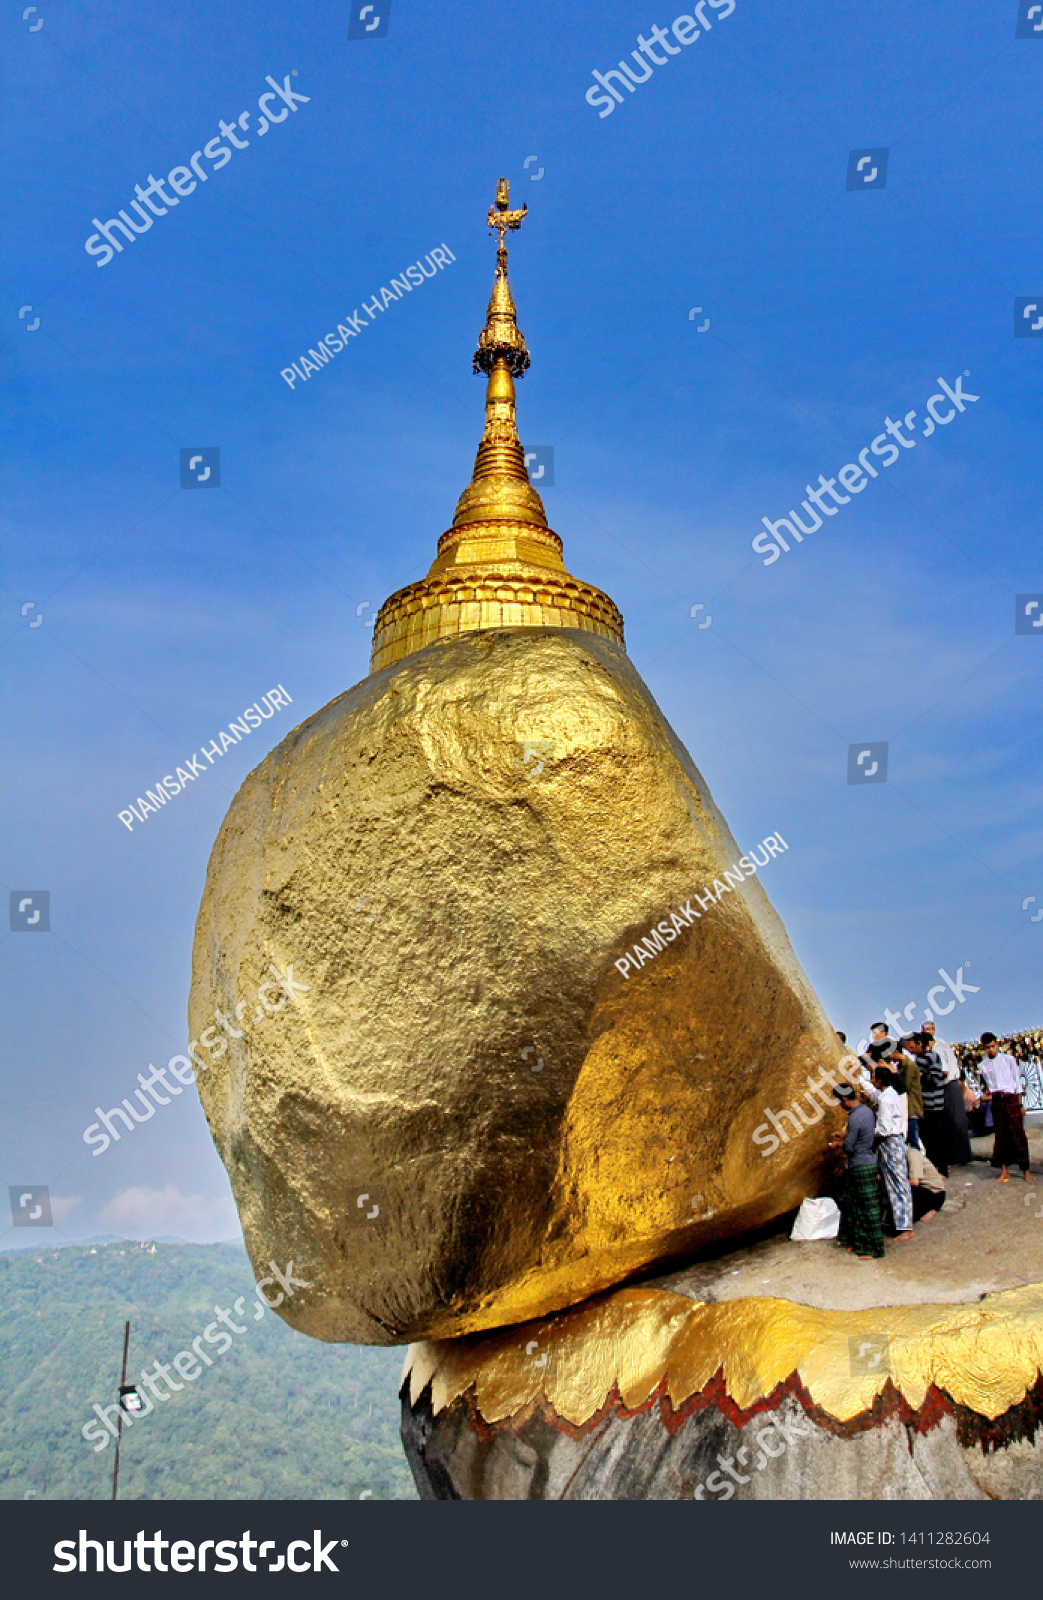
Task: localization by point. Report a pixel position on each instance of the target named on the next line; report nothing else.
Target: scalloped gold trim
(985, 1356)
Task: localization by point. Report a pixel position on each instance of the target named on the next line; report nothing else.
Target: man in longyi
(1003, 1083)
(960, 1153)
(860, 1227)
(887, 1096)
(934, 1126)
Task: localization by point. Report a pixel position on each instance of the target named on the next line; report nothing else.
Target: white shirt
(889, 1113)
(949, 1062)
(1001, 1073)
(884, 1102)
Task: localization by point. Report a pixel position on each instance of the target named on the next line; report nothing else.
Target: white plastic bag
(816, 1219)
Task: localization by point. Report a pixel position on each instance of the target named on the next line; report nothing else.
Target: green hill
(277, 1416)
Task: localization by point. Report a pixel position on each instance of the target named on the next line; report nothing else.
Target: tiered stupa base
(458, 601)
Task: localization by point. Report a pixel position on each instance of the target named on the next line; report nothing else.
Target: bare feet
(928, 1215)
(900, 1238)
(1028, 1176)
(1004, 1175)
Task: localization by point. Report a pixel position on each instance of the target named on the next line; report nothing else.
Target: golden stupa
(471, 1112)
(499, 565)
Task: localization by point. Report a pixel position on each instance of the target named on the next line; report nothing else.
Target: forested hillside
(274, 1416)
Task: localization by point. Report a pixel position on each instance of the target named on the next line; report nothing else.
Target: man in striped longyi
(889, 1099)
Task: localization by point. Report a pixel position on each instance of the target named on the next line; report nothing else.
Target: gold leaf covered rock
(533, 1124)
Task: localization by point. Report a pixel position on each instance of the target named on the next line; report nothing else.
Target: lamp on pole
(130, 1400)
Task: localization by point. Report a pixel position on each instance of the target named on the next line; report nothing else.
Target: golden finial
(501, 340)
(501, 218)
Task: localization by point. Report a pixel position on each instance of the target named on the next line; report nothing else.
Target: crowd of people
(910, 1114)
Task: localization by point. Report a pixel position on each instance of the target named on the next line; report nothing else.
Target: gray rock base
(783, 1452)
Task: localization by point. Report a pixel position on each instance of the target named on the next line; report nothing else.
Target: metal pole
(119, 1419)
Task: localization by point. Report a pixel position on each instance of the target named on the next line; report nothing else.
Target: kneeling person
(927, 1183)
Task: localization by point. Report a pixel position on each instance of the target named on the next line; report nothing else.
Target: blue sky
(720, 183)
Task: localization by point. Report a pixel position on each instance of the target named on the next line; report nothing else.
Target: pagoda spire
(499, 564)
(495, 491)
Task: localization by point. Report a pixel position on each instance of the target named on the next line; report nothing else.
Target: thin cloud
(140, 1212)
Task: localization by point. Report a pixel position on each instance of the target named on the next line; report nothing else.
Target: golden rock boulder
(473, 1115)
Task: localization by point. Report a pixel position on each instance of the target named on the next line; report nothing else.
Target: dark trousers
(934, 1131)
(960, 1152)
(914, 1133)
(925, 1200)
